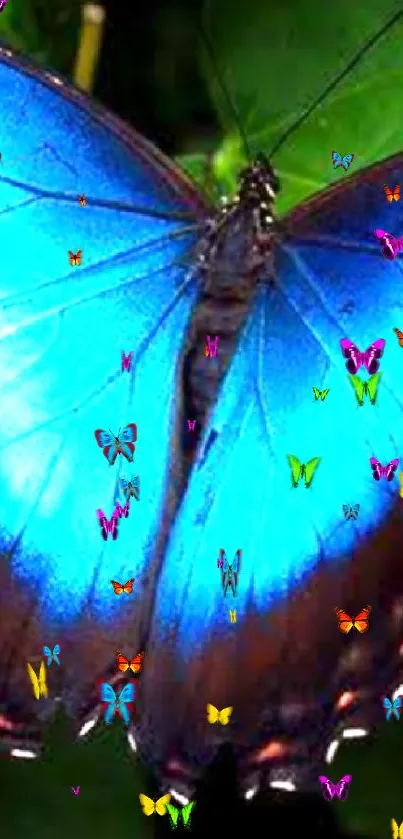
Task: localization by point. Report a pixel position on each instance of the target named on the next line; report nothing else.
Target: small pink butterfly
(191, 425)
(211, 346)
(390, 245)
(122, 511)
(76, 790)
(379, 471)
(368, 359)
(108, 526)
(127, 361)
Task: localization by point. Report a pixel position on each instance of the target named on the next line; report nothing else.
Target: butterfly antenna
(227, 98)
(333, 84)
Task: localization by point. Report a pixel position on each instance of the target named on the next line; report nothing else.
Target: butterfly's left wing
(337, 159)
(126, 697)
(347, 159)
(328, 788)
(186, 813)
(173, 813)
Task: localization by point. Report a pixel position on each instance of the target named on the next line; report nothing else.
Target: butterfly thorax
(233, 256)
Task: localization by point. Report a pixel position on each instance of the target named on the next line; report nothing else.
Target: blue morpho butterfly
(161, 271)
(117, 704)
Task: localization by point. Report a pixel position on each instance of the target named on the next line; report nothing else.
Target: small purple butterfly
(390, 245)
(211, 347)
(368, 359)
(330, 789)
(191, 425)
(126, 359)
(2, 4)
(379, 471)
(76, 790)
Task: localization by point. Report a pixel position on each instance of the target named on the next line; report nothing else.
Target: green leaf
(274, 62)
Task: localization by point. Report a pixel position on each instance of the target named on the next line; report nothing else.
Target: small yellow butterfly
(320, 394)
(149, 806)
(39, 685)
(214, 715)
(396, 830)
(232, 615)
(401, 484)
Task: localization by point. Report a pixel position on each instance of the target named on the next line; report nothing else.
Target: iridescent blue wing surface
(299, 558)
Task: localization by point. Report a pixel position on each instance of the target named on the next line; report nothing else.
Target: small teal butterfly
(52, 656)
(392, 707)
(117, 704)
(338, 160)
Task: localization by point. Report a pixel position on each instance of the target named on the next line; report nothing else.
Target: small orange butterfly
(392, 194)
(83, 201)
(75, 258)
(127, 588)
(360, 622)
(134, 664)
(399, 335)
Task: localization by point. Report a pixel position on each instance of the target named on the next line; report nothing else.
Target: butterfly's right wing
(147, 804)
(310, 470)
(337, 159)
(186, 813)
(327, 787)
(34, 680)
(359, 388)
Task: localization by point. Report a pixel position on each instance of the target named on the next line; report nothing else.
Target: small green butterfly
(185, 812)
(369, 388)
(320, 394)
(301, 470)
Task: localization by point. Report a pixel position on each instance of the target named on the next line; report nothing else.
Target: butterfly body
(360, 622)
(117, 704)
(53, 655)
(369, 388)
(340, 790)
(113, 445)
(345, 161)
(388, 472)
(392, 194)
(392, 707)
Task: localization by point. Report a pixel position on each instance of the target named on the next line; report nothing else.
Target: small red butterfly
(134, 664)
(360, 622)
(83, 201)
(399, 336)
(392, 194)
(75, 258)
(119, 588)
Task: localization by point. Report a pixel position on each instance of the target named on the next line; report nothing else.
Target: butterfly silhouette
(379, 471)
(338, 160)
(108, 526)
(330, 789)
(390, 245)
(214, 715)
(232, 615)
(369, 388)
(397, 832)
(229, 572)
(185, 812)
(360, 622)
(117, 704)
(320, 394)
(82, 200)
(75, 790)
(300, 470)
(135, 664)
(392, 194)
(149, 806)
(122, 511)
(75, 258)
(39, 685)
(122, 443)
(123, 588)
(351, 511)
(368, 359)
(52, 656)
(392, 707)
(127, 361)
(399, 335)
(131, 489)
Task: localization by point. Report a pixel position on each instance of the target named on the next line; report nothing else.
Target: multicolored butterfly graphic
(127, 361)
(131, 489)
(121, 443)
(75, 258)
(379, 471)
(397, 832)
(82, 200)
(338, 160)
(368, 359)
(149, 806)
(392, 707)
(108, 526)
(39, 685)
(399, 336)
(214, 715)
(135, 664)
(117, 704)
(351, 511)
(52, 656)
(229, 572)
(122, 512)
(360, 622)
(392, 194)
(300, 470)
(185, 812)
(330, 789)
(390, 245)
(369, 388)
(123, 588)
(320, 394)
